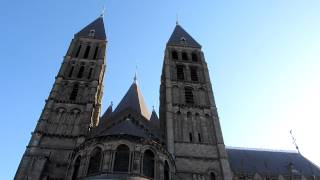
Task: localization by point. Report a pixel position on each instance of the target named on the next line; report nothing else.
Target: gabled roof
(98, 27)
(133, 100)
(180, 37)
(268, 162)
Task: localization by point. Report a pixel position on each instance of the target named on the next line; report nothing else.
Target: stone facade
(71, 141)
(72, 108)
(188, 114)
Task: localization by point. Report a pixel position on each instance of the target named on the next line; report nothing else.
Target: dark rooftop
(97, 26)
(134, 100)
(268, 162)
(180, 37)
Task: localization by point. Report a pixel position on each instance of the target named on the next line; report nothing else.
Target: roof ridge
(261, 149)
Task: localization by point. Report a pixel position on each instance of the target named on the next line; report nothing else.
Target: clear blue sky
(263, 58)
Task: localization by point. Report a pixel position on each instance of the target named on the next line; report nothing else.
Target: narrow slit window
(180, 73)
(80, 73)
(74, 92)
(78, 51)
(166, 171)
(194, 74)
(71, 71)
(190, 137)
(76, 168)
(95, 53)
(90, 73)
(199, 137)
(86, 53)
(188, 95)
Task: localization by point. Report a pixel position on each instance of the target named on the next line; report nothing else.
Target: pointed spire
(133, 100)
(93, 30)
(180, 37)
(135, 78)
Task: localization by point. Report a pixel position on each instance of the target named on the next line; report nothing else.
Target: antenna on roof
(294, 141)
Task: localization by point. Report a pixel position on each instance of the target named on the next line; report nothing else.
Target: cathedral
(73, 139)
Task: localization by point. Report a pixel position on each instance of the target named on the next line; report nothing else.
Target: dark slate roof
(178, 34)
(154, 119)
(106, 115)
(126, 127)
(268, 162)
(96, 25)
(133, 100)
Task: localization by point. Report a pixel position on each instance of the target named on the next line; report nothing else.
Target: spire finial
(111, 103)
(135, 75)
(103, 11)
(152, 108)
(177, 19)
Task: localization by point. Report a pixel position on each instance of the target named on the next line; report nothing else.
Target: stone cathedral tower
(188, 114)
(72, 108)
(73, 142)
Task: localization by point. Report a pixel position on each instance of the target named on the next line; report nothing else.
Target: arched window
(194, 74)
(80, 73)
(95, 161)
(74, 92)
(71, 71)
(148, 163)
(166, 171)
(188, 95)
(180, 73)
(78, 51)
(76, 168)
(184, 56)
(90, 72)
(95, 53)
(86, 53)
(212, 176)
(174, 55)
(194, 57)
(121, 160)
